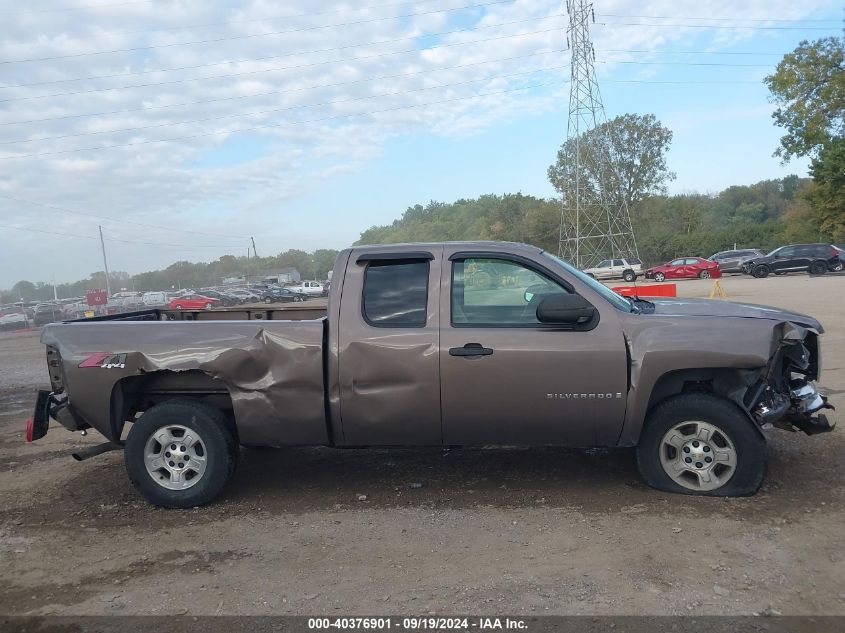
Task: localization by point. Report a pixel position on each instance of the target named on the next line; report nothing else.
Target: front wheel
(268, 300)
(180, 453)
(659, 277)
(701, 444)
(207, 306)
(629, 276)
(704, 274)
(760, 272)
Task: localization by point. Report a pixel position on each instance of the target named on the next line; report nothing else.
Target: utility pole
(105, 263)
(595, 223)
(254, 252)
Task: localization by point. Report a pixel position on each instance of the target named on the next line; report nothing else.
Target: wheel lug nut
(708, 459)
(173, 447)
(699, 465)
(706, 449)
(695, 444)
(171, 463)
(686, 449)
(181, 465)
(688, 460)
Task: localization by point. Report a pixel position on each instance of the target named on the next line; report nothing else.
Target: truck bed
(269, 363)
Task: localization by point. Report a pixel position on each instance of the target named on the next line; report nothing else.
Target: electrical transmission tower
(594, 223)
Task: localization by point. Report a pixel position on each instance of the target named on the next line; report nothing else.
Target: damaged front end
(786, 396)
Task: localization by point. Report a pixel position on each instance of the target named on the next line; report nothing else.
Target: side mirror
(565, 308)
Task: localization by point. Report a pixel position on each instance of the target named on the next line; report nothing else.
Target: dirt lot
(488, 531)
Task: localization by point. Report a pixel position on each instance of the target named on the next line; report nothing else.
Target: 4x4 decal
(104, 360)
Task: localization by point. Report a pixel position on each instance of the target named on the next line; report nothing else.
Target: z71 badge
(105, 360)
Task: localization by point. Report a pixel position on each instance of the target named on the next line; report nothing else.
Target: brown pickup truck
(473, 343)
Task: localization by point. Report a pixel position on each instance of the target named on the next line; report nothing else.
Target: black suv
(815, 259)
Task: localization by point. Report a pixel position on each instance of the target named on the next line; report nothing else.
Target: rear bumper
(48, 405)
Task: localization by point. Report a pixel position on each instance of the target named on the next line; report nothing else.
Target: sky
(185, 127)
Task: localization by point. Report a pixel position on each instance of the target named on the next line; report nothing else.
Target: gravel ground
(539, 531)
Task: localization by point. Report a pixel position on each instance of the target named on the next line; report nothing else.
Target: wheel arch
(728, 383)
(133, 395)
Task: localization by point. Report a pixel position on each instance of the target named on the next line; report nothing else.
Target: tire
(817, 268)
(629, 276)
(178, 306)
(760, 271)
(837, 267)
(207, 306)
(738, 449)
(214, 441)
(704, 274)
(659, 277)
(268, 300)
(779, 272)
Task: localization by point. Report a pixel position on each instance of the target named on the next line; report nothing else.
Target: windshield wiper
(637, 300)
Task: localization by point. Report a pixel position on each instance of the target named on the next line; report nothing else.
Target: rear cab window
(396, 293)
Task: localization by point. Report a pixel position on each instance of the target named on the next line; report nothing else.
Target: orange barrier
(647, 290)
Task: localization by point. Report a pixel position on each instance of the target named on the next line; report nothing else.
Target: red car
(685, 268)
(192, 302)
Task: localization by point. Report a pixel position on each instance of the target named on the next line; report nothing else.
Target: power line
(229, 38)
(311, 64)
(279, 92)
(109, 219)
(730, 19)
(286, 108)
(277, 125)
(719, 26)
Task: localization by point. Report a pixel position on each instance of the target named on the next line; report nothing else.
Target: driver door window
(497, 293)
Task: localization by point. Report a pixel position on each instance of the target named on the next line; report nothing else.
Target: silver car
(732, 261)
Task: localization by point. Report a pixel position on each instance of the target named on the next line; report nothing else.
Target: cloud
(325, 89)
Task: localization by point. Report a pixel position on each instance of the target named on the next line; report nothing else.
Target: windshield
(617, 301)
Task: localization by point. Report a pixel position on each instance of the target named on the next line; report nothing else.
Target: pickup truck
(471, 343)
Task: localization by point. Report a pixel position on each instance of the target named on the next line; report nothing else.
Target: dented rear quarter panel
(273, 370)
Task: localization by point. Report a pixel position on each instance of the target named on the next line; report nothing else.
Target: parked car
(245, 296)
(815, 259)
(192, 302)
(154, 299)
(223, 298)
(732, 261)
(627, 268)
(282, 295)
(47, 313)
(13, 321)
(477, 365)
(310, 288)
(685, 268)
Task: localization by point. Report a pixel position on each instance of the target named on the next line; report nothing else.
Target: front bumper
(799, 411)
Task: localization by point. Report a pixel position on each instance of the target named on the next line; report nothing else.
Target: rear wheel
(701, 444)
(659, 277)
(268, 300)
(704, 274)
(180, 453)
(760, 271)
(818, 268)
(207, 306)
(629, 276)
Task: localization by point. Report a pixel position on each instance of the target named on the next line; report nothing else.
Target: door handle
(471, 349)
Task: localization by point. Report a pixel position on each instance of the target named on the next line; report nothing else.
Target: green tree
(625, 157)
(808, 88)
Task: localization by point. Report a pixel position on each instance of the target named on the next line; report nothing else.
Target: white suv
(628, 268)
